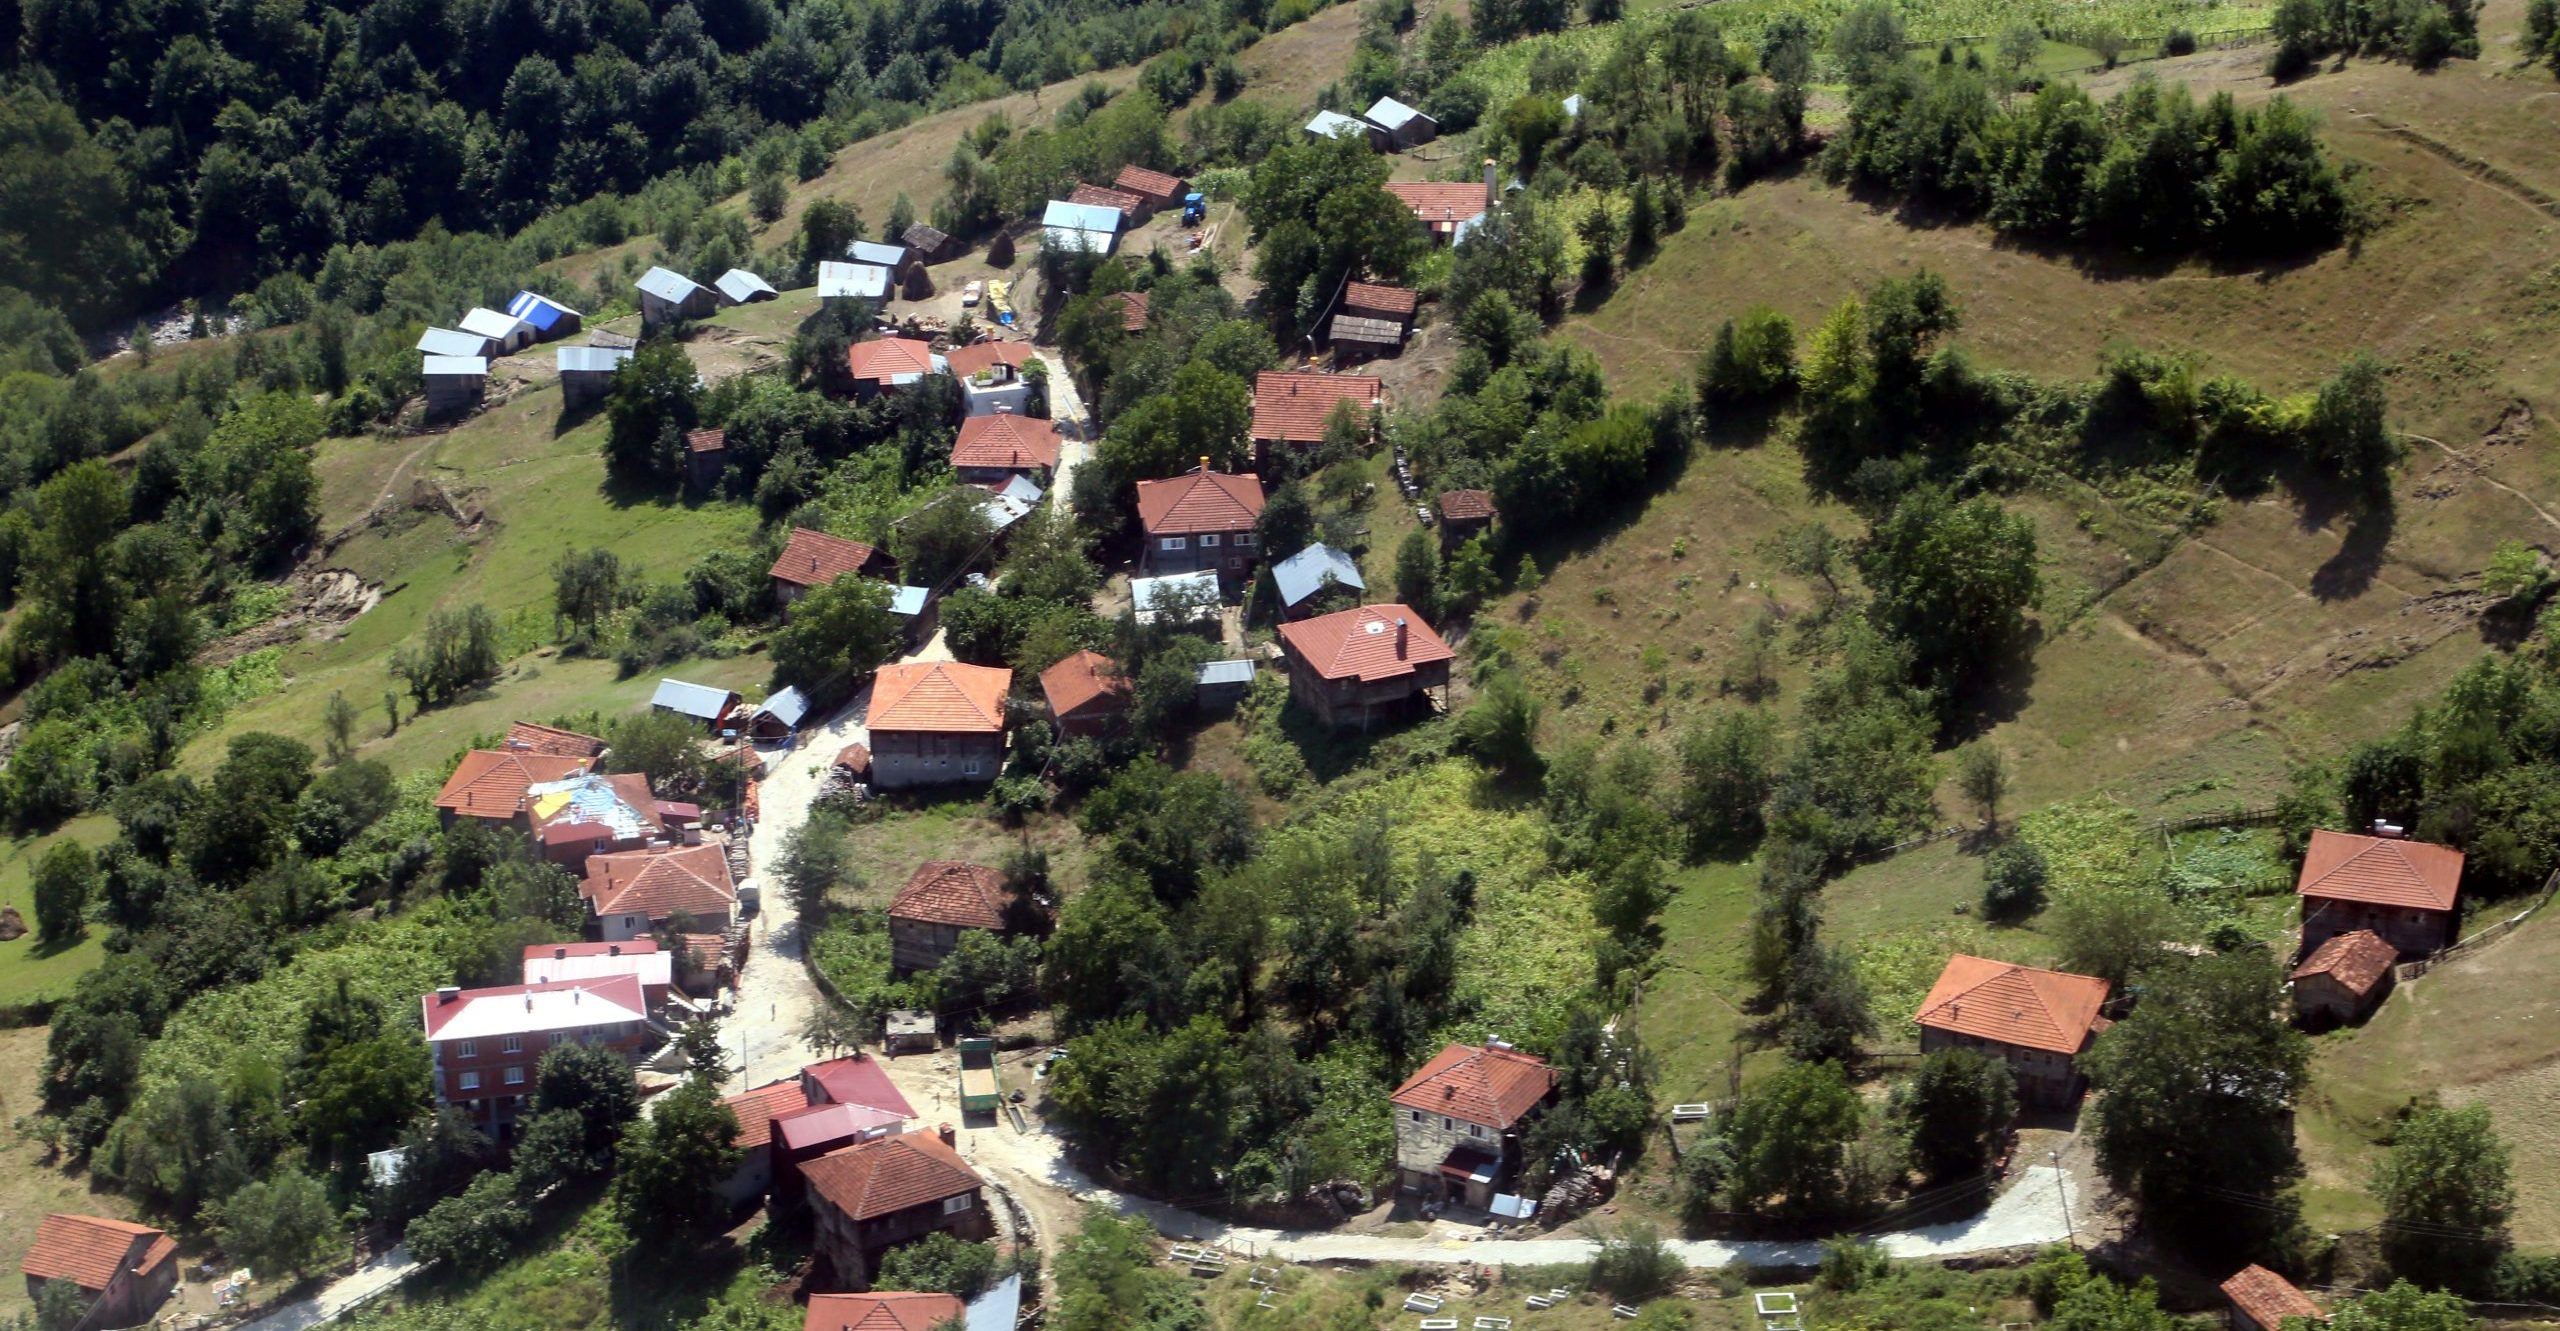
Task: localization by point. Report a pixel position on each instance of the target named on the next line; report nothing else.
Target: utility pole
(2064, 1193)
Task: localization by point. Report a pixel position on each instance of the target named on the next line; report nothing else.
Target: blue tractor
(1195, 209)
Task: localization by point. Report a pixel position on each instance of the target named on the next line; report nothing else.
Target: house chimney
(528, 1000)
(2389, 831)
(449, 993)
(1492, 186)
(1204, 462)
(560, 954)
(1399, 637)
(613, 950)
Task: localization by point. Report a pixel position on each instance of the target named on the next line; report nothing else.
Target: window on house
(468, 1049)
(1234, 561)
(514, 1044)
(1446, 1125)
(969, 767)
(1416, 1113)
(955, 1205)
(1244, 538)
(1174, 543)
(471, 1081)
(1208, 539)
(630, 922)
(515, 1076)
(1475, 1130)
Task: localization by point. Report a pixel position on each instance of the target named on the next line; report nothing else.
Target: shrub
(1752, 360)
(1633, 1265)
(2179, 41)
(2013, 882)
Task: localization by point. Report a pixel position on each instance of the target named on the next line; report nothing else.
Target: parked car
(969, 294)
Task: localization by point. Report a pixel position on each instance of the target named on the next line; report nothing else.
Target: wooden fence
(2410, 970)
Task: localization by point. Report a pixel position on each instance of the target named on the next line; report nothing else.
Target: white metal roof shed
(496, 325)
(667, 284)
(579, 360)
(447, 342)
(741, 286)
(475, 366)
(859, 281)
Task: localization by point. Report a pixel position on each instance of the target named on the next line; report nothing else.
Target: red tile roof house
(844, 1102)
(2037, 1021)
(2407, 891)
(990, 375)
(1134, 207)
(490, 784)
(485, 1043)
(994, 449)
(2343, 980)
(942, 900)
(812, 559)
(706, 457)
(2261, 1300)
(884, 364)
(551, 741)
(1458, 1119)
(868, 1198)
(937, 723)
(1087, 694)
(1291, 407)
(1364, 666)
(123, 1271)
(631, 893)
(1442, 206)
(882, 1312)
(1201, 519)
(1157, 188)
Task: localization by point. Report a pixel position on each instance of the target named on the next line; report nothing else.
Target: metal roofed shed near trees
(505, 331)
(549, 317)
(852, 281)
(453, 343)
(738, 287)
(1309, 571)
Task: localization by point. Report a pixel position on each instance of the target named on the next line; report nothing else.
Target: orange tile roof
(814, 559)
(885, 358)
(2267, 1298)
(706, 441)
(1479, 1084)
(1133, 311)
(552, 741)
(1152, 184)
(968, 360)
(490, 783)
(969, 896)
(942, 697)
(1390, 302)
(2357, 959)
(1465, 504)
(1105, 197)
(1007, 441)
(886, 1176)
(1363, 642)
(88, 1250)
(693, 880)
(1441, 204)
(881, 1312)
(1294, 405)
(757, 1109)
(2381, 871)
(1198, 501)
(2019, 1005)
(1080, 681)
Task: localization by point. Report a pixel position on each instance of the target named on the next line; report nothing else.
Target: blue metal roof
(1305, 573)
(696, 700)
(541, 311)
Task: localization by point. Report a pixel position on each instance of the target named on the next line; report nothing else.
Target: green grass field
(31, 971)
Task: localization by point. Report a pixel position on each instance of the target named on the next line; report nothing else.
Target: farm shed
(550, 318)
(667, 296)
(586, 373)
(739, 287)
(453, 384)
(507, 333)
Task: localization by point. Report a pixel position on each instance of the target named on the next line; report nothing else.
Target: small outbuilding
(507, 334)
(812, 558)
(1463, 513)
(586, 373)
(699, 702)
(1223, 684)
(910, 1031)
(778, 717)
(1086, 693)
(706, 457)
(550, 318)
(852, 281)
(930, 245)
(1157, 188)
(453, 384)
(1336, 125)
(1133, 208)
(667, 296)
(1189, 600)
(739, 287)
(1306, 575)
(2261, 1300)
(1133, 311)
(1404, 126)
(881, 254)
(2344, 979)
(1089, 228)
(1447, 208)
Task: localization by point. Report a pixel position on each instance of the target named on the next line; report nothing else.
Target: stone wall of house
(1422, 1145)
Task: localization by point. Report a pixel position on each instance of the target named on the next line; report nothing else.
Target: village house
(882, 1312)
(931, 246)
(1372, 321)
(910, 1031)
(1303, 577)
(881, 254)
(630, 894)
(740, 287)
(667, 296)
(812, 559)
(1158, 189)
(506, 333)
(992, 450)
(1133, 310)
(853, 281)
(868, 1198)
(1369, 665)
(991, 378)
(1404, 126)
(452, 385)
(937, 723)
(942, 900)
(1463, 514)
(579, 817)
(698, 702)
(1086, 693)
(706, 458)
(639, 958)
(755, 1110)
(124, 1271)
(486, 1043)
(2406, 891)
(491, 785)
(2343, 980)
(1458, 1121)
(2261, 1300)
(1080, 228)
(1132, 208)
(2037, 1021)
(1448, 209)
(549, 318)
(586, 373)
(887, 363)
(530, 737)
(1336, 125)
(454, 343)
(1291, 408)
(777, 718)
(844, 1102)
(1200, 521)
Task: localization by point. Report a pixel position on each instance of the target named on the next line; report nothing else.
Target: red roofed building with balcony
(1086, 693)
(2261, 1300)
(1458, 1120)
(633, 892)
(1364, 666)
(1292, 407)
(868, 1198)
(486, 1043)
(1200, 520)
(882, 1312)
(2343, 979)
(2037, 1021)
(937, 723)
(490, 785)
(2408, 892)
(123, 1271)
(994, 449)
(812, 559)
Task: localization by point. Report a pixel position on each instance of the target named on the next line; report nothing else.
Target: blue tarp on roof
(541, 311)
(695, 700)
(1305, 573)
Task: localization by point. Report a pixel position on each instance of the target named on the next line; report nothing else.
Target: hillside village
(1522, 667)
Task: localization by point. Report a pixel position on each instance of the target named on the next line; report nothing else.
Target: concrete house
(124, 1271)
(1305, 575)
(812, 559)
(1458, 1121)
(492, 785)
(885, 364)
(2037, 1021)
(2343, 980)
(1404, 126)
(868, 1198)
(1158, 189)
(992, 450)
(740, 287)
(853, 281)
(1086, 693)
(453, 385)
(937, 723)
(1292, 407)
(1200, 521)
(550, 319)
(990, 375)
(506, 333)
(1463, 513)
(1223, 684)
(1089, 228)
(701, 702)
(2409, 892)
(942, 900)
(1336, 125)
(630, 894)
(778, 717)
(667, 296)
(1367, 666)
(586, 373)
(2261, 1300)
(484, 1044)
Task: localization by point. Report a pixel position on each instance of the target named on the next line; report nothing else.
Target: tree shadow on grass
(45, 949)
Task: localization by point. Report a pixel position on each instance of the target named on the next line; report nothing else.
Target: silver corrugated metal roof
(447, 342)
(696, 700)
(1305, 573)
(860, 281)
(1227, 672)
(786, 707)
(1334, 124)
(996, 1309)
(1067, 238)
(1081, 217)
(592, 360)
(475, 366)
(741, 286)
(491, 323)
(908, 601)
(1390, 114)
(667, 285)
(1171, 589)
(873, 252)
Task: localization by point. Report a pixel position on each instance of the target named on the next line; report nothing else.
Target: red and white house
(552, 963)
(486, 1043)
